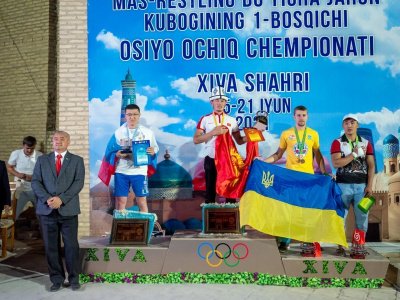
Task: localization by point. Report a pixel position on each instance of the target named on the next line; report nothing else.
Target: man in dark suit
(57, 180)
(5, 193)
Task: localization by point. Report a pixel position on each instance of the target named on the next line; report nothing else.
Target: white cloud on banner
(163, 101)
(386, 122)
(188, 87)
(106, 114)
(109, 40)
(150, 89)
(190, 124)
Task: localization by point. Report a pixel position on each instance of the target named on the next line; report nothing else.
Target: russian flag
(109, 163)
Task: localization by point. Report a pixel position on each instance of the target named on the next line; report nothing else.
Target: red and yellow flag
(232, 171)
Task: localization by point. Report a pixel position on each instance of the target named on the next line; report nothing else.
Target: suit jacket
(5, 193)
(67, 185)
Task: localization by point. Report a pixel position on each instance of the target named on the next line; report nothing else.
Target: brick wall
(25, 74)
(73, 106)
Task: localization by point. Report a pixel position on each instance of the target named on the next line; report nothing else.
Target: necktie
(58, 164)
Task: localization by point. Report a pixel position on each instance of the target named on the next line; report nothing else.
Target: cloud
(109, 40)
(189, 87)
(163, 101)
(157, 119)
(386, 122)
(104, 115)
(150, 90)
(190, 124)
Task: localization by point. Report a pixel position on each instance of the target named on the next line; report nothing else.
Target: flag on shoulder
(232, 169)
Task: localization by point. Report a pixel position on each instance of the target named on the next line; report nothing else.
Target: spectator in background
(21, 164)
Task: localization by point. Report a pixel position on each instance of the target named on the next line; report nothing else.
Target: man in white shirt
(127, 174)
(21, 164)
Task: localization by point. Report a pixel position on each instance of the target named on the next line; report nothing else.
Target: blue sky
(167, 90)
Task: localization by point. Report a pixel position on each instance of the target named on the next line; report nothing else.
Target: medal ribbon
(301, 145)
(352, 143)
(133, 133)
(222, 120)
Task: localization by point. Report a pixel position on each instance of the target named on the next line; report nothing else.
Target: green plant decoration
(91, 254)
(106, 254)
(139, 257)
(310, 266)
(121, 253)
(229, 278)
(359, 269)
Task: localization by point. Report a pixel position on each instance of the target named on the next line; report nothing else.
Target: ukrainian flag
(297, 205)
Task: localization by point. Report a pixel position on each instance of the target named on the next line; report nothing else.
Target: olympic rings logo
(222, 251)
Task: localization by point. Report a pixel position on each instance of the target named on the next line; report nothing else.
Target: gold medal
(301, 161)
(300, 145)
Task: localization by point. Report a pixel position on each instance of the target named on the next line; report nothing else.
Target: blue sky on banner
(167, 90)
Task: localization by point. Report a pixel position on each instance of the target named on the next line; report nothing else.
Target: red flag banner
(232, 171)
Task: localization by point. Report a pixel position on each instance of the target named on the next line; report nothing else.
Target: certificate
(140, 156)
(253, 135)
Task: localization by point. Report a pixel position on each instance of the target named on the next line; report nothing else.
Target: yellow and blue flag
(297, 205)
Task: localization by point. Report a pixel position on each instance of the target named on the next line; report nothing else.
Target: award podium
(221, 218)
(131, 227)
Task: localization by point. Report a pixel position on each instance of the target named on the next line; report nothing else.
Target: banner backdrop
(334, 57)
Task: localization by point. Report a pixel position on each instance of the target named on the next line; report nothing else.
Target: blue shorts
(124, 182)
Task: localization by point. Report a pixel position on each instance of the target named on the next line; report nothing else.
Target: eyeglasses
(131, 115)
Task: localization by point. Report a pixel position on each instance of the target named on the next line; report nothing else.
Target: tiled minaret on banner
(128, 94)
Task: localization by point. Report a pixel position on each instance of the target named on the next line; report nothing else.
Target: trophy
(261, 120)
(126, 145)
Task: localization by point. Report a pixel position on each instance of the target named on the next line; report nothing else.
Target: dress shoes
(55, 287)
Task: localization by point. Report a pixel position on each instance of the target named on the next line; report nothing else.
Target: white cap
(350, 116)
(218, 92)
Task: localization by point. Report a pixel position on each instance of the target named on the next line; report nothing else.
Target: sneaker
(358, 251)
(340, 252)
(307, 250)
(283, 247)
